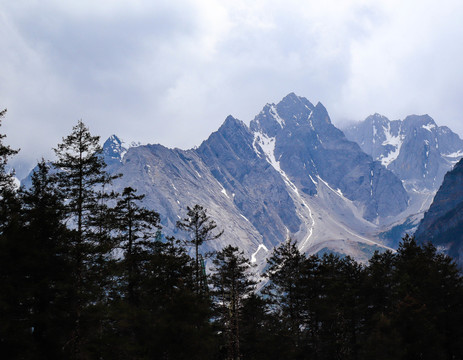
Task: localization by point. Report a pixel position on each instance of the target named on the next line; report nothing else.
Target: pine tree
(200, 227)
(81, 176)
(169, 320)
(285, 272)
(428, 287)
(45, 236)
(138, 227)
(8, 197)
(14, 325)
(232, 284)
(339, 309)
(6, 178)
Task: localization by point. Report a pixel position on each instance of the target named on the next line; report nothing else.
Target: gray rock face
(307, 146)
(292, 173)
(113, 150)
(258, 190)
(442, 224)
(173, 179)
(417, 150)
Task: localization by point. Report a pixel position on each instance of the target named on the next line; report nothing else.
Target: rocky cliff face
(292, 173)
(442, 224)
(417, 150)
(307, 146)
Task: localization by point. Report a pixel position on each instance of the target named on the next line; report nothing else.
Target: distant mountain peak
(291, 98)
(416, 149)
(230, 120)
(113, 150)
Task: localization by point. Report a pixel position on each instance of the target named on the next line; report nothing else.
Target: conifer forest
(86, 273)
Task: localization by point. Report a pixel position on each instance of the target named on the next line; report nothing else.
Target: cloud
(170, 71)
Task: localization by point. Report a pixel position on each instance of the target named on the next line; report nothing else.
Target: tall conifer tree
(45, 236)
(138, 229)
(232, 284)
(81, 176)
(201, 229)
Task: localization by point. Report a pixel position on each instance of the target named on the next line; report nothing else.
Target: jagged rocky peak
(232, 122)
(294, 108)
(416, 149)
(377, 119)
(268, 121)
(113, 149)
(420, 123)
(291, 112)
(231, 132)
(300, 141)
(425, 121)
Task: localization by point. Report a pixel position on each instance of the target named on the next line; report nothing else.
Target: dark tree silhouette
(201, 229)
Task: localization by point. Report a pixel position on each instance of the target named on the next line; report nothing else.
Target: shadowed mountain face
(443, 222)
(291, 173)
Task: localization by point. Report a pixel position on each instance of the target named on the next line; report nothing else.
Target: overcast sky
(170, 71)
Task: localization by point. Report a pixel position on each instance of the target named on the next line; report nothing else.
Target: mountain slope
(292, 173)
(309, 146)
(443, 222)
(417, 150)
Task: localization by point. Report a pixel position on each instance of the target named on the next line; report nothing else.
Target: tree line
(85, 273)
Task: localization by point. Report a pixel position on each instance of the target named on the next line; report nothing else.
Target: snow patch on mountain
(454, 157)
(395, 141)
(267, 144)
(429, 127)
(276, 116)
(337, 191)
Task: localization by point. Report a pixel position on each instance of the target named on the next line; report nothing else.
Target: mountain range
(292, 174)
(289, 174)
(418, 151)
(415, 149)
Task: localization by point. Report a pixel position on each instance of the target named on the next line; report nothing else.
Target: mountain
(442, 224)
(308, 146)
(417, 150)
(114, 150)
(291, 173)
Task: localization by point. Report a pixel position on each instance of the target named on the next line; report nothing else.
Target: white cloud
(171, 71)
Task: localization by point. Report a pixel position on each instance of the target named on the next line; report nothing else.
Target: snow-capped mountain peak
(416, 149)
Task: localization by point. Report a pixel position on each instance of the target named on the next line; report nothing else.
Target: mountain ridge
(290, 173)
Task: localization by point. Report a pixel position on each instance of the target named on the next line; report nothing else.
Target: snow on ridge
(223, 191)
(429, 126)
(276, 116)
(267, 144)
(337, 191)
(454, 157)
(454, 154)
(244, 217)
(395, 141)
